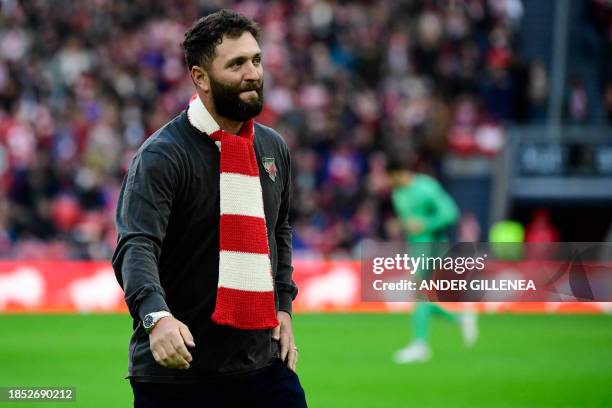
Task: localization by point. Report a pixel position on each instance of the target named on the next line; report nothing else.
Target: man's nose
(252, 73)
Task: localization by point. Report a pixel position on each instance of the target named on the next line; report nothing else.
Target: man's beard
(228, 103)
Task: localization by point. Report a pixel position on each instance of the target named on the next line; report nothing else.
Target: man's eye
(236, 64)
(257, 60)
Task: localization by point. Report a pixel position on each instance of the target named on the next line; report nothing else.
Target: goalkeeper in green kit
(425, 212)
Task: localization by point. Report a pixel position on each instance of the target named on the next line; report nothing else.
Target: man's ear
(200, 78)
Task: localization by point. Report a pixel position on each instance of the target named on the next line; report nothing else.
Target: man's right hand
(169, 340)
(413, 226)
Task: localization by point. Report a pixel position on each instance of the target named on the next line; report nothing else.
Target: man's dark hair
(401, 163)
(395, 165)
(202, 38)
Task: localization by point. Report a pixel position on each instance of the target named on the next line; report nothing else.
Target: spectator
(577, 100)
(541, 229)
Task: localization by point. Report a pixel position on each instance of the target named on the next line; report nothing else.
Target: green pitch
(345, 361)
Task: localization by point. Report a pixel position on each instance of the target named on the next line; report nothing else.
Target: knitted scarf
(245, 292)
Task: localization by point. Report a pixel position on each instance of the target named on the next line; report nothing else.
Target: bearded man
(204, 246)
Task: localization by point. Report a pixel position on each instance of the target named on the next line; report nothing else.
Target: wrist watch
(151, 319)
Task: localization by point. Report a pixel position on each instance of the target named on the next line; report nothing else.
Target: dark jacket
(167, 257)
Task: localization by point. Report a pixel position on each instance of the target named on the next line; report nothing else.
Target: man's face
(399, 178)
(236, 78)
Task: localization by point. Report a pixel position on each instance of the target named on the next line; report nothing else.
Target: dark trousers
(272, 387)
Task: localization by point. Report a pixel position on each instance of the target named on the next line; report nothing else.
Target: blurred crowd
(349, 84)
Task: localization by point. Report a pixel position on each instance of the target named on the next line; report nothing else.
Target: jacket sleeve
(444, 212)
(142, 215)
(285, 286)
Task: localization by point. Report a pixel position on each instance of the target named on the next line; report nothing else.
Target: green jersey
(424, 200)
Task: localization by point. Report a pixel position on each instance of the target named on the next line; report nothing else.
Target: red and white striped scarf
(245, 292)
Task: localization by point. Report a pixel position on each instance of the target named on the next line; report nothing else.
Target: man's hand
(413, 226)
(284, 333)
(169, 340)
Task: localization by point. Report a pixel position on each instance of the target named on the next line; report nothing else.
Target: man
(425, 211)
(204, 249)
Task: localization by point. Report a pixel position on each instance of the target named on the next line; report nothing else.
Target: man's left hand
(284, 333)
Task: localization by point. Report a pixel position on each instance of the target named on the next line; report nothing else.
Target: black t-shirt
(167, 256)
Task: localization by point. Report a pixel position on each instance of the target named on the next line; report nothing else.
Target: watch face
(148, 321)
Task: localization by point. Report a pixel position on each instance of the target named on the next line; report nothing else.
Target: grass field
(520, 361)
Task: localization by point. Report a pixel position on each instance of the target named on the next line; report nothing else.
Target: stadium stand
(350, 84)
